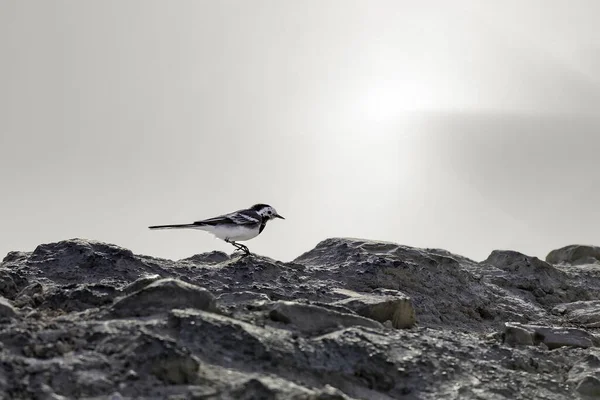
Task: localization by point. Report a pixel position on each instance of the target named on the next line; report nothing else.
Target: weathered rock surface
(6, 309)
(382, 306)
(311, 319)
(581, 313)
(575, 255)
(551, 336)
(162, 296)
(350, 319)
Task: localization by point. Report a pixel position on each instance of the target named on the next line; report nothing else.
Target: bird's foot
(241, 247)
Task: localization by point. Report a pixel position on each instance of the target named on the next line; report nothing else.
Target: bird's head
(266, 211)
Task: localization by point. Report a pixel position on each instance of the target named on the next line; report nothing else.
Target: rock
(212, 258)
(574, 255)
(442, 286)
(553, 337)
(31, 290)
(162, 296)
(76, 297)
(242, 297)
(330, 393)
(6, 309)
(11, 282)
(176, 370)
(140, 283)
(252, 389)
(583, 313)
(581, 372)
(78, 261)
(390, 306)
(273, 388)
(15, 256)
(589, 386)
(537, 279)
(310, 319)
(96, 321)
(518, 335)
(166, 361)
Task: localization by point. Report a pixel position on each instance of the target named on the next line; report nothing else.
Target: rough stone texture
(516, 334)
(589, 386)
(585, 375)
(551, 336)
(582, 313)
(243, 297)
(162, 296)
(90, 320)
(6, 309)
(531, 278)
(575, 255)
(311, 319)
(390, 305)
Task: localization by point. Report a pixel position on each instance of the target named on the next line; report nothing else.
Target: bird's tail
(180, 226)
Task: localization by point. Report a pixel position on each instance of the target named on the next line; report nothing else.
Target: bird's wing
(245, 217)
(242, 217)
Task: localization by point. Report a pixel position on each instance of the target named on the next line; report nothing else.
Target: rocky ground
(350, 319)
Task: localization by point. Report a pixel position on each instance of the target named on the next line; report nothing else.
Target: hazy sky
(466, 125)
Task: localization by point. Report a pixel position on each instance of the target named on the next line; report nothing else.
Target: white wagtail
(233, 227)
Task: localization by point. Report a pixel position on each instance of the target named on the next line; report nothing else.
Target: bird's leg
(239, 246)
(244, 249)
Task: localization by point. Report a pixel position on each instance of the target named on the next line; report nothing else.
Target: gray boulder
(551, 336)
(516, 334)
(442, 286)
(533, 278)
(162, 296)
(574, 255)
(583, 313)
(140, 283)
(242, 297)
(585, 375)
(390, 305)
(6, 309)
(311, 319)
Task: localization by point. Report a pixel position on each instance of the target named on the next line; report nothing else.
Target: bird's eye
(270, 213)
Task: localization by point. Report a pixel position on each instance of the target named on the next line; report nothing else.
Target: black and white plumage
(234, 227)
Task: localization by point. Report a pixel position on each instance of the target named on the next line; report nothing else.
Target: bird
(240, 225)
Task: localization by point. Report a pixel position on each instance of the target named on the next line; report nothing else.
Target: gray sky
(466, 125)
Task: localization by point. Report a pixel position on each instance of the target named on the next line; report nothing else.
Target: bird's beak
(278, 216)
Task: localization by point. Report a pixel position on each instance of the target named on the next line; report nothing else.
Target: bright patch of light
(387, 102)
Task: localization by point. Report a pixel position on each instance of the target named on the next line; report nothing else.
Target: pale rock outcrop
(382, 306)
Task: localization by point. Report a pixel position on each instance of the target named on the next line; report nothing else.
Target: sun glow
(388, 102)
